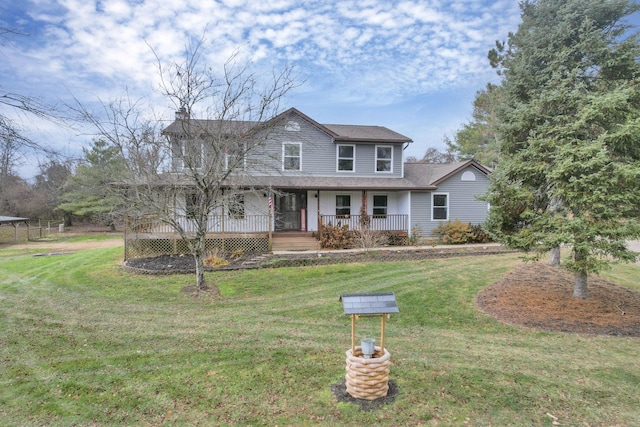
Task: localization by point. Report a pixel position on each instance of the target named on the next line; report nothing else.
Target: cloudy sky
(411, 65)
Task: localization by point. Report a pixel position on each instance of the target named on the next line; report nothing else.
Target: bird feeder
(368, 365)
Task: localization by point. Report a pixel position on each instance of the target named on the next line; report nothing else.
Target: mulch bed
(540, 297)
(182, 264)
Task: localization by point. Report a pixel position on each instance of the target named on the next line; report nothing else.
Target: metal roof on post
(369, 303)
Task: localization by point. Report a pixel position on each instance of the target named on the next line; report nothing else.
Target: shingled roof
(358, 133)
(339, 133)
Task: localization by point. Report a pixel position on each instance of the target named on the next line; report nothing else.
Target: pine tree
(569, 129)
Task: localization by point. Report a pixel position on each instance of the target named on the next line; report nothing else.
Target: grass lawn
(84, 343)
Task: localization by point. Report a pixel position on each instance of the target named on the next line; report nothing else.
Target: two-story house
(306, 175)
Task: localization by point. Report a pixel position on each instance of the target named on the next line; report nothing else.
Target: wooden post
(382, 334)
(353, 334)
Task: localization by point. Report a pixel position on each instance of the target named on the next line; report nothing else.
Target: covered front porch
(272, 214)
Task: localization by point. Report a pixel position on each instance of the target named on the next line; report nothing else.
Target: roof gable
(441, 174)
(432, 174)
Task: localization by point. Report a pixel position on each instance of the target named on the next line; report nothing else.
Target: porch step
(294, 242)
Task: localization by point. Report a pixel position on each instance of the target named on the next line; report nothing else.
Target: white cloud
(366, 52)
(347, 40)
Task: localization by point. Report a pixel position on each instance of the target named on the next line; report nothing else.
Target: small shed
(14, 221)
(369, 304)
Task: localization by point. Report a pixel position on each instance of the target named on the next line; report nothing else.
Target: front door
(288, 209)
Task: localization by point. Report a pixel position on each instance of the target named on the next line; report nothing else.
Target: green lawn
(84, 343)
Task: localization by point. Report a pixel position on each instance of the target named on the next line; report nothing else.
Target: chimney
(182, 114)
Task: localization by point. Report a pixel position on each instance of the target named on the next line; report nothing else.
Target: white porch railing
(215, 224)
(395, 222)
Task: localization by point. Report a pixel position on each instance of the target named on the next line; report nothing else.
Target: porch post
(222, 221)
(318, 213)
(270, 204)
(363, 210)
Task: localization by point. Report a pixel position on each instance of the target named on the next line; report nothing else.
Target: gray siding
(317, 151)
(319, 154)
(366, 161)
(421, 213)
(463, 203)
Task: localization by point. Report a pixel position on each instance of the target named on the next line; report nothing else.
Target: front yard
(84, 342)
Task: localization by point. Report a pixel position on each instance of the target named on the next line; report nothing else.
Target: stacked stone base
(368, 378)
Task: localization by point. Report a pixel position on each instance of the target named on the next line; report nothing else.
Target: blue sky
(413, 66)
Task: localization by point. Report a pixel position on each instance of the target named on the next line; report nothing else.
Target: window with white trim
(343, 205)
(234, 158)
(291, 156)
(346, 158)
(187, 154)
(468, 176)
(380, 204)
(384, 158)
(440, 207)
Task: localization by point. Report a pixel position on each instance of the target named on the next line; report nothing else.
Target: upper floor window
(380, 204)
(384, 158)
(234, 158)
(346, 158)
(291, 156)
(187, 154)
(440, 207)
(343, 205)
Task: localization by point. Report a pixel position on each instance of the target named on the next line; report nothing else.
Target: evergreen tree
(569, 129)
(478, 139)
(89, 192)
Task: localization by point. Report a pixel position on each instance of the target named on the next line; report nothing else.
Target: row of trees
(67, 189)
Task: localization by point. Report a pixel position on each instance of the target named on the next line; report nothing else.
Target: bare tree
(14, 145)
(433, 155)
(222, 122)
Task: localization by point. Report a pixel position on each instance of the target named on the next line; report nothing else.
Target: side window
(346, 158)
(384, 158)
(291, 156)
(380, 206)
(343, 205)
(440, 207)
